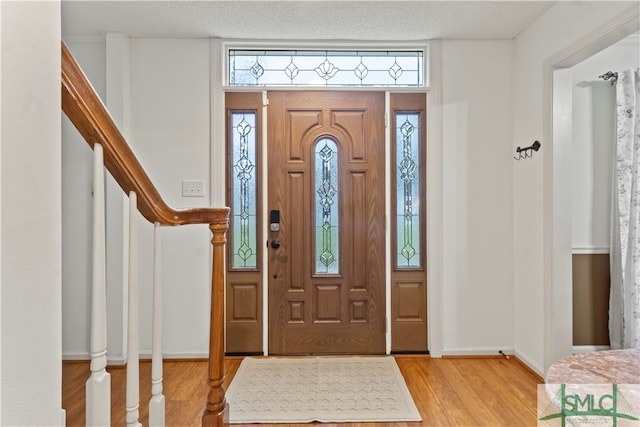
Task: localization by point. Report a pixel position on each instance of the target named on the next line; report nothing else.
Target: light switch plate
(192, 188)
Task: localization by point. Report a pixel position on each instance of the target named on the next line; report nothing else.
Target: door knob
(275, 244)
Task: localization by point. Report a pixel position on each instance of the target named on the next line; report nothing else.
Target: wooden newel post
(215, 413)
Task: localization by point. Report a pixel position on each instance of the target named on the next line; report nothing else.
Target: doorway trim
(434, 152)
(557, 294)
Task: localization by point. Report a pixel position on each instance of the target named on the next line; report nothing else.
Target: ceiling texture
(302, 20)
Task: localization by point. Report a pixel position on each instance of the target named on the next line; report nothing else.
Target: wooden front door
(327, 258)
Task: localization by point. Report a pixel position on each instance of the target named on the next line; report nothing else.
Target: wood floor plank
(426, 394)
(466, 409)
(514, 373)
(496, 397)
(429, 389)
(447, 392)
(486, 405)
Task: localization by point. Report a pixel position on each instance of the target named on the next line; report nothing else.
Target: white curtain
(624, 302)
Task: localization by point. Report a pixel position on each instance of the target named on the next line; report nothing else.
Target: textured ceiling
(303, 20)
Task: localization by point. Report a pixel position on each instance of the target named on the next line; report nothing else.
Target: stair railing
(89, 115)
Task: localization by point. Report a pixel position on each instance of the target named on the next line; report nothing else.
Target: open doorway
(592, 158)
(558, 229)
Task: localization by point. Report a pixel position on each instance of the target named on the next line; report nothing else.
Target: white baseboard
(75, 356)
(579, 349)
(177, 355)
(111, 360)
(477, 351)
(531, 364)
(121, 360)
(590, 250)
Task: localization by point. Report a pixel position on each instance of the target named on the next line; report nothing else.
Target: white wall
(477, 197)
(77, 162)
(593, 142)
(170, 135)
(558, 28)
(158, 93)
(118, 100)
(30, 194)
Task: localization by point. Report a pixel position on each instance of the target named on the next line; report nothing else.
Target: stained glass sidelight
(243, 204)
(326, 207)
(325, 68)
(408, 190)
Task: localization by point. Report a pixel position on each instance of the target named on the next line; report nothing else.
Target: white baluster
(98, 387)
(156, 404)
(133, 368)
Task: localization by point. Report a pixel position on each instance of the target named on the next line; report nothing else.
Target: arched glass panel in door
(327, 244)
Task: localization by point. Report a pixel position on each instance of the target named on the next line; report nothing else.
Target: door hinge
(265, 102)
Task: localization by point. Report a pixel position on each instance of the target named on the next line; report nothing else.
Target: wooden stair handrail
(89, 115)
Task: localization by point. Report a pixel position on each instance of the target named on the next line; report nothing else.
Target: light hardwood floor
(447, 392)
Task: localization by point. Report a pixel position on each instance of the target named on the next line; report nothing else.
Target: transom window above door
(326, 68)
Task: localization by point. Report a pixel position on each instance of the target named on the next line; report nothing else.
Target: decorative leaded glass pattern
(408, 190)
(243, 190)
(326, 207)
(325, 68)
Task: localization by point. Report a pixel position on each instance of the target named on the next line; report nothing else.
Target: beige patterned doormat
(324, 389)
